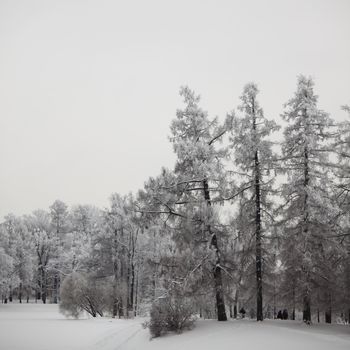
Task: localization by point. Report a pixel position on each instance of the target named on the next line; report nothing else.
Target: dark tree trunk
(44, 286)
(306, 309)
(131, 274)
(39, 286)
(128, 285)
(235, 307)
(259, 296)
(217, 271)
(293, 311)
(115, 273)
(38, 295)
(55, 289)
(220, 303)
(258, 252)
(120, 309)
(136, 293)
(20, 293)
(132, 287)
(328, 314)
(306, 299)
(274, 297)
(123, 277)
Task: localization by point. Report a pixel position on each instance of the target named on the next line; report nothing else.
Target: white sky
(88, 88)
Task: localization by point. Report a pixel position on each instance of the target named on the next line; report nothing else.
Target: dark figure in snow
(279, 315)
(242, 312)
(285, 314)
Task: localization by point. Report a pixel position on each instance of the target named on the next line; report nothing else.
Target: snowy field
(42, 327)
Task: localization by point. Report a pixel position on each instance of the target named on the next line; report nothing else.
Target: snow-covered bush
(80, 293)
(172, 313)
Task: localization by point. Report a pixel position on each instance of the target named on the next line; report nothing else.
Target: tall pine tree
(307, 206)
(254, 159)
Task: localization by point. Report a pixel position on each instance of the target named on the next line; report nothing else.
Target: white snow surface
(42, 327)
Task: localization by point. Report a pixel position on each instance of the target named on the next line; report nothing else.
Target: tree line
(252, 216)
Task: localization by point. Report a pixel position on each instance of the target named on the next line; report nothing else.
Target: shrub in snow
(173, 313)
(242, 312)
(80, 293)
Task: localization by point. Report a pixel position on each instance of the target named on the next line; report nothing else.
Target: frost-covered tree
(45, 244)
(7, 267)
(7, 263)
(187, 195)
(115, 253)
(341, 147)
(25, 261)
(84, 218)
(74, 253)
(17, 244)
(200, 169)
(59, 214)
(254, 159)
(308, 210)
(160, 270)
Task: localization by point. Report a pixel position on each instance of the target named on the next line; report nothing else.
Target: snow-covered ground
(41, 327)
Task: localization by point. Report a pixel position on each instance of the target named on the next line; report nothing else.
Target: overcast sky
(88, 88)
